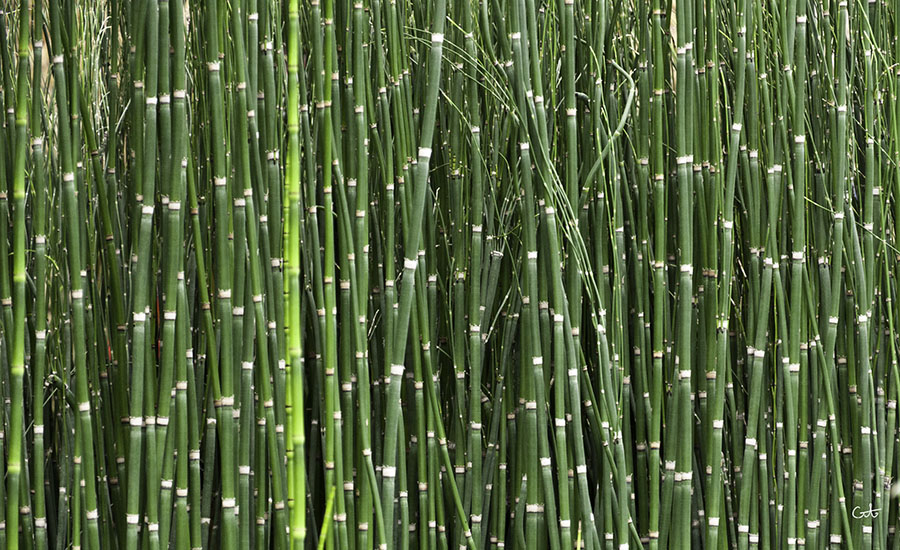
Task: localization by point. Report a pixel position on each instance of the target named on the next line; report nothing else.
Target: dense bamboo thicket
(428, 275)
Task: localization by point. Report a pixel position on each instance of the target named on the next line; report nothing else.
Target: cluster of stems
(527, 274)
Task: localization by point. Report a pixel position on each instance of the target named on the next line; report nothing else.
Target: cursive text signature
(861, 514)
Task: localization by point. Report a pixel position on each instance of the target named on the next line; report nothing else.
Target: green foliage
(430, 275)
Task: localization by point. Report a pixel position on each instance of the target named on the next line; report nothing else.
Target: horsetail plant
(424, 275)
